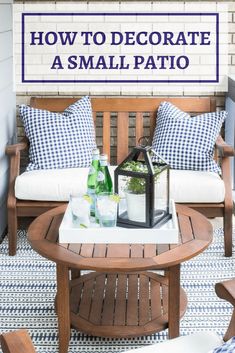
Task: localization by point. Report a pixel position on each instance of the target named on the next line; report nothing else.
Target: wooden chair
(122, 107)
(20, 342)
(17, 342)
(226, 290)
(199, 342)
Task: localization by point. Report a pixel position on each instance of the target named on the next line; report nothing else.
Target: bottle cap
(96, 151)
(103, 157)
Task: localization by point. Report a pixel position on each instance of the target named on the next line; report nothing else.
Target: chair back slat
(122, 136)
(152, 124)
(94, 117)
(213, 105)
(139, 126)
(106, 133)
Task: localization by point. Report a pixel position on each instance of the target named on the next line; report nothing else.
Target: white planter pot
(135, 207)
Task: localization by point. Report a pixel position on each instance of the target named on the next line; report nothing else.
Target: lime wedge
(83, 226)
(87, 198)
(116, 198)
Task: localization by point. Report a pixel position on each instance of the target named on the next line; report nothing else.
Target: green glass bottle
(92, 178)
(104, 181)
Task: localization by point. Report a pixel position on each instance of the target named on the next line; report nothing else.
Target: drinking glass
(80, 208)
(106, 209)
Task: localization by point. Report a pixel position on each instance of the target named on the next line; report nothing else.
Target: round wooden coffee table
(123, 297)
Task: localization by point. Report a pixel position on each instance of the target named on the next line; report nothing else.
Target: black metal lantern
(143, 187)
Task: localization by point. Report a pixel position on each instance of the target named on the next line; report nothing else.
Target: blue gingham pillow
(227, 347)
(187, 142)
(59, 140)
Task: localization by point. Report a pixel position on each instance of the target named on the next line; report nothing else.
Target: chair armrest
(17, 342)
(224, 149)
(13, 150)
(226, 290)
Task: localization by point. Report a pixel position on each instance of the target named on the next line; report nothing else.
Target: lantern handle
(143, 141)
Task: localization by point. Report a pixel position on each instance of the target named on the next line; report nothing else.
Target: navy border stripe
(216, 80)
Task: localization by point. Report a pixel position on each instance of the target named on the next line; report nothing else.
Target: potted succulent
(134, 189)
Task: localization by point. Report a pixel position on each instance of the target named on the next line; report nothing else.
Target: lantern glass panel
(161, 201)
(132, 206)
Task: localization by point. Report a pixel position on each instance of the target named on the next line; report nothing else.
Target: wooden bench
(122, 107)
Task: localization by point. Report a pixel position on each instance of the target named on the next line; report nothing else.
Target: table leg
(63, 307)
(174, 301)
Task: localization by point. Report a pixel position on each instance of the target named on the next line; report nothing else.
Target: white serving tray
(167, 234)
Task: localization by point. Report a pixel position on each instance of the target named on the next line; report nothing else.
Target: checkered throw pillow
(187, 142)
(59, 140)
(227, 347)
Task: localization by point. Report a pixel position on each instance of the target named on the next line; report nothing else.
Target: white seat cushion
(57, 184)
(196, 187)
(201, 342)
(51, 184)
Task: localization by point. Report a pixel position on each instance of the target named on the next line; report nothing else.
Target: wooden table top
(195, 236)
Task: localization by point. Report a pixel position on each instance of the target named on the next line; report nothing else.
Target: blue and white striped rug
(28, 288)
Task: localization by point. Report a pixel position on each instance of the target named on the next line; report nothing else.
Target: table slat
(149, 250)
(137, 250)
(84, 308)
(144, 301)
(161, 248)
(201, 228)
(97, 302)
(86, 250)
(99, 250)
(132, 302)
(165, 298)
(116, 250)
(108, 307)
(75, 298)
(52, 234)
(185, 228)
(75, 247)
(156, 302)
(120, 307)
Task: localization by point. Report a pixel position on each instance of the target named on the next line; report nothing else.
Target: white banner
(61, 50)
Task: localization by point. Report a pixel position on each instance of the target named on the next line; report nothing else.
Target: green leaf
(134, 184)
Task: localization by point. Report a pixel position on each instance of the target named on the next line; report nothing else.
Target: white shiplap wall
(7, 101)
